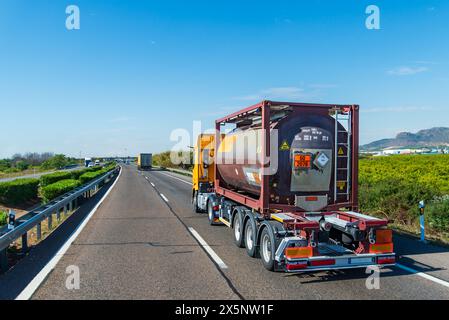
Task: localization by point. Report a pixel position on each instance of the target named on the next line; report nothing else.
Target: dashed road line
(164, 197)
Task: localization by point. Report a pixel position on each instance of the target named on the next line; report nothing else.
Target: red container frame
(263, 204)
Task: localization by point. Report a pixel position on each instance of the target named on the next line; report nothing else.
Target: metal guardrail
(66, 202)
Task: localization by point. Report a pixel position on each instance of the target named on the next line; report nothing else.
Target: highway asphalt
(145, 242)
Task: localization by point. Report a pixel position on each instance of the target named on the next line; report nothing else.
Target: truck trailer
(284, 177)
(144, 161)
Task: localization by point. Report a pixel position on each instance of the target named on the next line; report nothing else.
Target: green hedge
(18, 191)
(88, 176)
(56, 189)
(3, 218)
(55, 177)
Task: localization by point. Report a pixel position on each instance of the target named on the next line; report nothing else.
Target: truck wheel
(210, 213)
(250, 238)
(238, 229)
(267, 250)
(195, 202)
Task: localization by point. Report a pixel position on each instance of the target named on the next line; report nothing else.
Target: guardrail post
(65, 210)
(39, 231)
(25, 242)
(58, 214)
(3, 260)
(71, 205)
(50, 220)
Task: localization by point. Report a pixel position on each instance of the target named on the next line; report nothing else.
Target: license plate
(361, 260)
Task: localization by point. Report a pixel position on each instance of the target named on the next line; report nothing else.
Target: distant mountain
(425, 138)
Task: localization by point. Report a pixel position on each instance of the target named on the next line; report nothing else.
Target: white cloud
(407, 71)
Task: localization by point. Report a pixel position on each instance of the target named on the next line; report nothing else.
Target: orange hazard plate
(303, 161)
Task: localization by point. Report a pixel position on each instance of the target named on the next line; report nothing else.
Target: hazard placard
(341, 151)
(341, 185)
(284, 146)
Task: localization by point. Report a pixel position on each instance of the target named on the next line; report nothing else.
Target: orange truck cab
(203, 174)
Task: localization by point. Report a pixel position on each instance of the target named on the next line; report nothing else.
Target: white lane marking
(164, 197)
(168, 175)
(209, 250)
(40, 277)
(146, 177)
(423, 275)
(152, 184)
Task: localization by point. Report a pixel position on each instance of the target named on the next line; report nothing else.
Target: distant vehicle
(97, 162)
(90, 165)
(144, 161)
(87, 161)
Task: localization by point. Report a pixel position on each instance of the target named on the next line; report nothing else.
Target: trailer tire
(196, 209)
(237, 225)
(211, 213)
(267, 248)
(251, 237)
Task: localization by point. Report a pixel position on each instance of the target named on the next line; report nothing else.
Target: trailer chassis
(300, 240)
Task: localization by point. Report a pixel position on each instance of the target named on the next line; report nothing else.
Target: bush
(18, 191)
(437, 215)
(88, 176)
(3, 218)
(56, 189)
(392, 186)
(54, 177)
(22, 165)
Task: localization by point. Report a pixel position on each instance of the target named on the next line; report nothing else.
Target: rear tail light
(327, 262)
(298, 252)
(386, 260)
(296, 266)
(215, 208)
(311, 198)
(381, 248)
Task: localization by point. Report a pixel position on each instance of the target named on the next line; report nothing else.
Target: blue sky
(136, 70)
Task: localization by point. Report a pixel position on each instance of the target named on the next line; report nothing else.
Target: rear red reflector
(296, 266)
(215, 208)
(327, 262)
(311, 198)
(386, 260)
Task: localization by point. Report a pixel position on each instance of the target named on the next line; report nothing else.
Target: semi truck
(284, 177)
(144, 161)
(87, 161)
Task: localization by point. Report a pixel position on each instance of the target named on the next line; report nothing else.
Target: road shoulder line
(423, 275)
